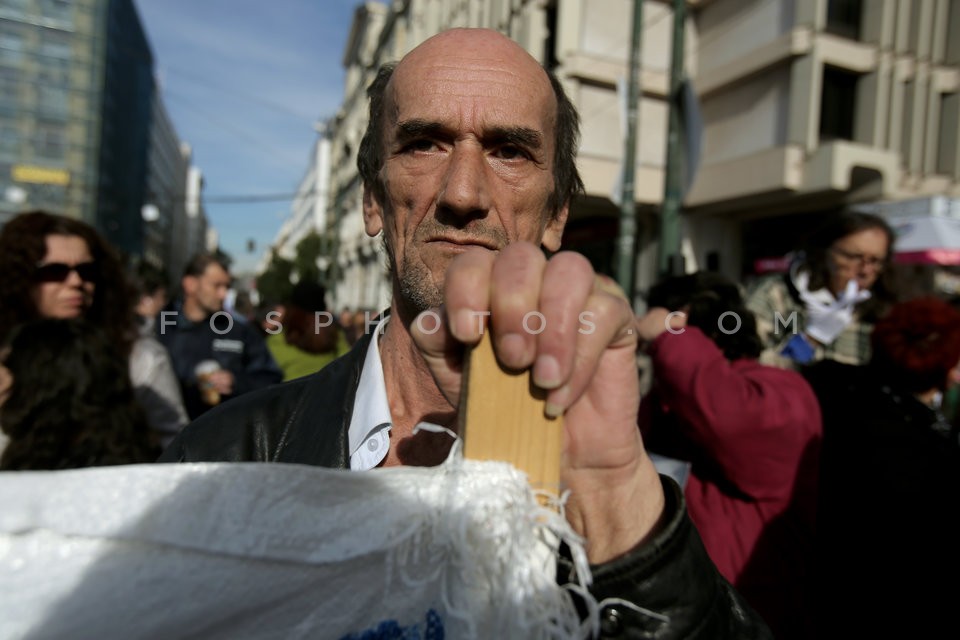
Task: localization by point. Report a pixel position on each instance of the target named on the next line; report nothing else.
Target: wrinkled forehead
(466, 85)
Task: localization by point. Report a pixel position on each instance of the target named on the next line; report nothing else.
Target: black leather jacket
(305, 421)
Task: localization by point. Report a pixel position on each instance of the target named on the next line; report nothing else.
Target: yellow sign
(40, 175)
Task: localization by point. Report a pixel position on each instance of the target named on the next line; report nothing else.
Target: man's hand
(222, 381)
(577, 332)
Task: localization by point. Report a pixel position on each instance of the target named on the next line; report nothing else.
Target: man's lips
(466, 242)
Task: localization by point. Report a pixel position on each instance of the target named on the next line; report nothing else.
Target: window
(16, 8)
(11, 45)
(843, 18)
(59, 10)
(949, 116)
(838, 104)
(52, 101)
(953, 26)
(50, 142)
(54, 70)
(9, 139)
(55, 44)
(550, 42)
(9, 94)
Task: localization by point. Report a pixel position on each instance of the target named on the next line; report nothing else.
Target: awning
(927, 239)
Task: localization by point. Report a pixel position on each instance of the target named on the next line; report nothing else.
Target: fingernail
(463, 323)
(513, 350)
(557, 402)
(546, 372)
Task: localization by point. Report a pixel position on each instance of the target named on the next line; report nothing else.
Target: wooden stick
(502, 418)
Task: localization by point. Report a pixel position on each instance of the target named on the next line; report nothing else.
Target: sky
(244, 83)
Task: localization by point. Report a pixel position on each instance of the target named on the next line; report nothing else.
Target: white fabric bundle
(281, 551)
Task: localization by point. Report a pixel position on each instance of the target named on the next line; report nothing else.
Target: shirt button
(372, 445)
(611, 623)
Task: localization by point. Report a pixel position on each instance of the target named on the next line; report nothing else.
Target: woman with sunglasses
(56, 267)
(837, 287)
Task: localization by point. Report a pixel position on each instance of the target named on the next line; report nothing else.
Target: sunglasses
(59, 272)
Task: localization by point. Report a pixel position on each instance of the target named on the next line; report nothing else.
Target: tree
(275, 283)
(309, 250)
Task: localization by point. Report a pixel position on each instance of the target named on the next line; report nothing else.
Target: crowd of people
(799, 423)
(181, 355)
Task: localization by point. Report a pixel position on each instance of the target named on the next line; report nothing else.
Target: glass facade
(75, 93)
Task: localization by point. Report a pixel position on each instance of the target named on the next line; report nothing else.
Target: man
(215, 357)
(464, 175)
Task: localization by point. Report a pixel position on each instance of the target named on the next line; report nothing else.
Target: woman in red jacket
(751, 434)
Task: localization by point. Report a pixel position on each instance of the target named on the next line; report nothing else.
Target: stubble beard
(415, 290)
(418, 292)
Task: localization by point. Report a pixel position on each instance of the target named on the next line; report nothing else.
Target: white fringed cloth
(253, 550)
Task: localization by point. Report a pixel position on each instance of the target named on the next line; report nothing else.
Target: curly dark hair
(817, 245)
(71, 403)
(22, 248)
(705, 297)
(566, 178)
(917, 344)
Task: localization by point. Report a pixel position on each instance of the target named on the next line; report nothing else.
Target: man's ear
(189, 284)
(372, 213)
(553, 233)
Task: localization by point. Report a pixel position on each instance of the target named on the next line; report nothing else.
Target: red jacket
(753, 435)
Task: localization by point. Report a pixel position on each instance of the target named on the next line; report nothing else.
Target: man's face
(209, 289)
(468, 140)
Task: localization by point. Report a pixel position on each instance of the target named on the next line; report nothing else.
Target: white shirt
(370, 424)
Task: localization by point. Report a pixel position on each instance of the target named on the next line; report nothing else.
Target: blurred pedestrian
(150, 288)
(751, 434)
(69, 401)
(157, 389)
(310, 339)
(215, 357)
(268, 317)
(890, 480)
(361, 323)
(837, 287)
(243, 308)
(58, 267)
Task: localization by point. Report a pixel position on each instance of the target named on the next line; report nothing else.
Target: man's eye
(510, 152)
(419, 145)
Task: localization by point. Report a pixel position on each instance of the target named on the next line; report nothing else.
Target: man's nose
(465, 189)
